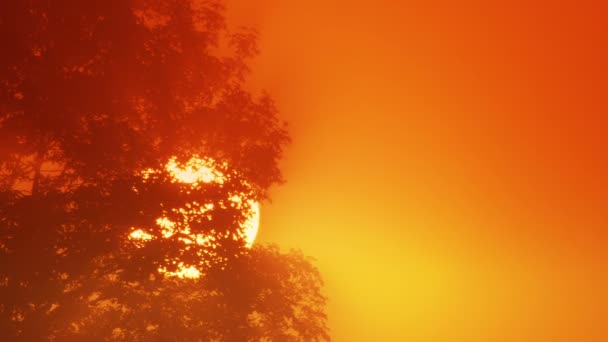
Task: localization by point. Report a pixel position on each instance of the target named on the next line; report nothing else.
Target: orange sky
(449, 165)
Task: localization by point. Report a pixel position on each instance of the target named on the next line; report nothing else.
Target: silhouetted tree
(91, 95)
(264, 296)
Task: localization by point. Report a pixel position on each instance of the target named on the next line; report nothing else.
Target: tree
(265, 296)
(95, 99)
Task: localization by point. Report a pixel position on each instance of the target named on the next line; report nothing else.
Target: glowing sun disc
(196, 171)
(204, 170)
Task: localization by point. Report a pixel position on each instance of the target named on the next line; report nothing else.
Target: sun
(196, 171)
(203, 170)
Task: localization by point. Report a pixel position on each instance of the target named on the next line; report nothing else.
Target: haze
(448, 170)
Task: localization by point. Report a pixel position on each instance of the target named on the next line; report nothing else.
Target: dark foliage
(91, 95)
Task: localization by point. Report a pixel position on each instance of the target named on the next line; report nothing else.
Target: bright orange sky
(449, 165)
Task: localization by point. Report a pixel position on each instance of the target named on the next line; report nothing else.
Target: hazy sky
(449, 165)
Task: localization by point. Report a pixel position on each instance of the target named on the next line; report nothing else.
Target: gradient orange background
(449, 169)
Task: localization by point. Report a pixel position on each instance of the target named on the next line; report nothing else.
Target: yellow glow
(182, 272)
(199, 170)
(139, 234)
(251, 226)
(196, 170)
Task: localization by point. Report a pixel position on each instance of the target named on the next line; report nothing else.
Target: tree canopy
(95, 99)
